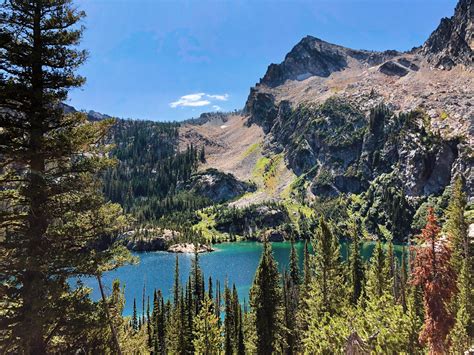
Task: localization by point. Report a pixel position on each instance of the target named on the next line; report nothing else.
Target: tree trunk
(109, 319)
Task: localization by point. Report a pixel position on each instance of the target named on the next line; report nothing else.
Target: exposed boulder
(393, 69)
(408, 64)
(217, 186)
(189, 248)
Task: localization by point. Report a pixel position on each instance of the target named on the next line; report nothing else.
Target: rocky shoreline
(189, 248)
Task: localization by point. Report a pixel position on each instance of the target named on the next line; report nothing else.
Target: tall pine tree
(54, 215)
(266, 304)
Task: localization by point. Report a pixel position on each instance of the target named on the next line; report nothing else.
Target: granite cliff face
(344, 117)
(452, 42)
(217, 186)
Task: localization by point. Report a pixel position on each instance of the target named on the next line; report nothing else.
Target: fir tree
(377, 279)
(177, 286)
(327, 292)
(328, 269)
(415, 320)
(306, 267)
(159, 324)
(238, 323)
(293, 265)
(135, 316)
(434, 273)
(461, 260)
(456, 226)
(229, 322)
(207, 338)
(52, 209)
(265, 303)
(197, 281)
(356, 267)
(291, 297)
(459, 336)
(403, 281)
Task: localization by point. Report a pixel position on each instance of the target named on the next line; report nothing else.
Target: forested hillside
(149, 169)
(334, 147)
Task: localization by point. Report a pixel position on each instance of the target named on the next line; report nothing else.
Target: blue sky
(172, 60)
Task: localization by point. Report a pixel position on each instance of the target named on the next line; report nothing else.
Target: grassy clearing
(250, 150)
(295, 209)
(266, 171)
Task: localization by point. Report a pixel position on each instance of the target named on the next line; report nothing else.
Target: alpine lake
(234, 262)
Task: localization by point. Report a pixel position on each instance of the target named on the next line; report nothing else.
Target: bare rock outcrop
(452, 42)
(217, 186)
(189, 248)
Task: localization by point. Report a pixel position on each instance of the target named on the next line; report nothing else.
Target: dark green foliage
(293, 265)
(377, 281)
(229, 322)
(149, 169)
(385, 204)
(52, 214)
(291, 301)
(327, 261)
(266, 303)
(246, 221)
(135, 325)
(356, 266)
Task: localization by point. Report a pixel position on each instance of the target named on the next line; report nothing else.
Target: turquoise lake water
(234, 262)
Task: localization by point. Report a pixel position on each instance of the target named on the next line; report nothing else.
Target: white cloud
(198, 99)
(216, 108)
(191, 100)
(224, 97)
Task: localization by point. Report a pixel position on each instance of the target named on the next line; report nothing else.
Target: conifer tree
(459, 336)
(377, 279)
(210, 291)
(53, 213)
(265, 304)
(461, 260)
(291, 297)
(197, 282)
(356, 267)
(229, 322)
(207, 338)
(135, 316)
(306, 268)
(434, 273)
(293, 265)
(189, 308)
(327, 293)
(456, 226)
(328, 279)
(158, 323)
(218, 301)
(177, 286)
(238, 323)
(414, 312)
(175, 331)
(390, 269)
(403, 281)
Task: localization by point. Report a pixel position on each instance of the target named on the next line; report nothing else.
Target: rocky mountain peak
(452, 42)
(314, 57)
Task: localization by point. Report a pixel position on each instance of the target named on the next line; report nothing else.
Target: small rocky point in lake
(189, 248)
